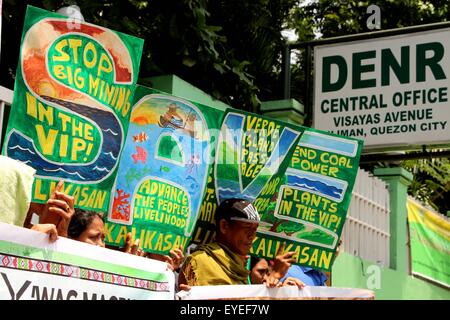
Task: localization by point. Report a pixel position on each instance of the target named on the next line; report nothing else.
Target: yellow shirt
(16, 184)
(214, 264)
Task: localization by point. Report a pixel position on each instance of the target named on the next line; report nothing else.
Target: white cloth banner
(31, 268)
(261, 292)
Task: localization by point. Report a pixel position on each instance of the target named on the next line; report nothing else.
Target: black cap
(237, 209)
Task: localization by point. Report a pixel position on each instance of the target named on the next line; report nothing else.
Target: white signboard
(31, 268)
(391, 91)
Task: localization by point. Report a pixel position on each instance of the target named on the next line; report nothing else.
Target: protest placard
(72, 101)
(165, 165)
(299, 179)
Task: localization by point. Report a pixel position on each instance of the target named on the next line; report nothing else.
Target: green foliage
(230, 48)
(431, 182)
(336, 18)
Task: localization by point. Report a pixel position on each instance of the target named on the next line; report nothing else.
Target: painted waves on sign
(23, 149)
(331, 188)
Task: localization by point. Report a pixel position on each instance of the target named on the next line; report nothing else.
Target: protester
(224, 260)
(259, 270)
(270, 274)
(87, 226)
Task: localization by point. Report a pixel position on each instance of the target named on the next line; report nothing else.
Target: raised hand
(58, 210)
(65, 209)
(133, 248)
(176, 258)
(281, 264)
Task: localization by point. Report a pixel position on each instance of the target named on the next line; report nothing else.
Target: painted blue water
(22, 148)
(327, 188)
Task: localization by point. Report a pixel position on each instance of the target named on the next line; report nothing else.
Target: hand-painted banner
(312, 202)
(164, 170)
(72, 101)
(253, 153)
(430, 244)
(261, 292)
(299, 179)
(31, 268)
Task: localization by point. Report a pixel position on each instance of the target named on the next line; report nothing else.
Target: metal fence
(366, 231)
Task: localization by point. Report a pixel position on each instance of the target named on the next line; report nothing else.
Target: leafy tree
(431, 182)
(230, 49)
(337, 18)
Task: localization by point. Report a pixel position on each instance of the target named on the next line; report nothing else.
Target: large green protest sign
(72, 102)
(299, 179)
(164, 170)
(253, 154)
(312, 202)
(430, 244)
